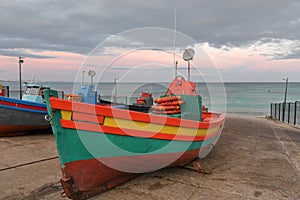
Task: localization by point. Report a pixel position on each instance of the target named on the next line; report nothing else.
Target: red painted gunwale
(20, 105)
(210, 120)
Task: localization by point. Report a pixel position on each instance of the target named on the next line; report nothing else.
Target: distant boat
(102, 146)
(19, 117)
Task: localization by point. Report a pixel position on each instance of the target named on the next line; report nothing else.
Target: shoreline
(245, 114)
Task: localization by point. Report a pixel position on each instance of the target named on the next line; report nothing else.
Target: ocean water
(240, 98)
(256, 97)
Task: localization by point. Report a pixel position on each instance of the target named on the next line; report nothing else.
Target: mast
(174, 43)
(82, 78)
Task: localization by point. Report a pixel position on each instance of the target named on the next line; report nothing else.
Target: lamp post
(20, 75)
(286, 79)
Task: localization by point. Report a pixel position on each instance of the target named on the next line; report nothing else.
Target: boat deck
(255, 158)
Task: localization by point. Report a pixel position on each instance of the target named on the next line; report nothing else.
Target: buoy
(167, 112)
(167, 99)
(168, 105)
(172, 103)
(166, 108)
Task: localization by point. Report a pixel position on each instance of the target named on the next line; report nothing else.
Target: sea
(246, 98)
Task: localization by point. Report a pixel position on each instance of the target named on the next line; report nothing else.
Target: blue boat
(25, 116)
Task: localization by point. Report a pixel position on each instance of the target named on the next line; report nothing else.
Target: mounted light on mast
(91, 74)
(188, 55)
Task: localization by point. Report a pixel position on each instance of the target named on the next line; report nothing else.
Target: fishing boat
(26, 115)
(102, 145)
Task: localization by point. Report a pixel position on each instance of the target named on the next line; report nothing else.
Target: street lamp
(286, 79)
(20, 76)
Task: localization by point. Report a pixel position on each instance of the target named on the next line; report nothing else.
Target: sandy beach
(255, 158)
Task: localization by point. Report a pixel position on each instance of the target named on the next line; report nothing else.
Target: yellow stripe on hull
(67, 115)
(157, 128)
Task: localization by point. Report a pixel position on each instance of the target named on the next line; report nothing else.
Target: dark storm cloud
(19, 53)
(78, 26)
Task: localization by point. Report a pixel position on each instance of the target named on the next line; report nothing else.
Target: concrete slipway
(255, 158)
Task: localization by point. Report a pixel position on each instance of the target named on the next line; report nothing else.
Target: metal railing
(286, 112)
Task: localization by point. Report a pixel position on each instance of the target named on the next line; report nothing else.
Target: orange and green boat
(103, 145)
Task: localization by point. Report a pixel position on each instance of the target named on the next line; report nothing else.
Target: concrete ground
(255, 158)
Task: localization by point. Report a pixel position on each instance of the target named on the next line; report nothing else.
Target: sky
(248, 40)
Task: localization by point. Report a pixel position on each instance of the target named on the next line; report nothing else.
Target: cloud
(267, 30)
(22, 53)
(277, 49)
(78, 26)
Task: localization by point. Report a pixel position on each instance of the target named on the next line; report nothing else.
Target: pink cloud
(46, 69)
(245, 57)
(64, 66)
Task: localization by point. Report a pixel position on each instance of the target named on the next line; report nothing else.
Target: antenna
(91, 74)
(188, 55)
(82, 78)
(176, 63)
(32, 79)
(174, 43)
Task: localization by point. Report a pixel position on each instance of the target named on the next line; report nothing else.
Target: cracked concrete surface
(255, 158)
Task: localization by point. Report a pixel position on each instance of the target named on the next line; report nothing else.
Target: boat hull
(98, 177)
(101, 147)
(88, 172)
(19, 118)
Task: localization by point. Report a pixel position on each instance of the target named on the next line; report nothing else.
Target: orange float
(167, 99)
(168, 105)
(167, 112)
(166, 108)
(172, 103)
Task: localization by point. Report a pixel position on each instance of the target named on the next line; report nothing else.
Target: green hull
(83, 145)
